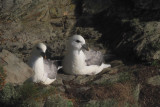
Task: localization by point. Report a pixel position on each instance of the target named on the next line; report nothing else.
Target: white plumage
(80, 62)
(45, 70)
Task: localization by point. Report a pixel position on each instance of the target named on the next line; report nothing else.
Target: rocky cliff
(129, 29)
(126, 27)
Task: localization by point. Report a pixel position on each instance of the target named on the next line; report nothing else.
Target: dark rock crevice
(126, 27)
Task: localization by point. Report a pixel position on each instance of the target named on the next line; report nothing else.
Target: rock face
(37, 9)
(70, 90)
(155, 81)
(35, 21)
(129, 28)
(16, 70)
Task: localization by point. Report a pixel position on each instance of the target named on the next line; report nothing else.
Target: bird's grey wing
(93, 57)
(50, 67)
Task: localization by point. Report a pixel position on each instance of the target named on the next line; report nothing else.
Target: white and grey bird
(45, 71)
(80, 62)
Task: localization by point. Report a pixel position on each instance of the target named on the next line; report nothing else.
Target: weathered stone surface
(155, 81)
(148, 48)
(83, 79)
(94, 7)
(58, 81)
(41, 10)
(36, 21)
(113, 71)
(24, 36)
(149, 5)
(66, 77)
(107, 79)
(82, 89)
(16, 70)
(61, 88)
(136, 92)
(134, 35)
(115, 63)
(137, 40)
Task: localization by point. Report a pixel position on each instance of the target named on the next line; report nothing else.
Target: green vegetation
(35, 91)
(69, 104)
(58, 101)
(9, 95)
(156, 63)
(124, 76)
(32, 95)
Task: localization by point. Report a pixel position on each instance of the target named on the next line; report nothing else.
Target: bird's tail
(59, 67)
(106, 65)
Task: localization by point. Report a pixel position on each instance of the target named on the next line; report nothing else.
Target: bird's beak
(85, 47)
(43, 55)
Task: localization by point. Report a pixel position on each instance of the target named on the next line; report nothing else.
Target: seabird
(45, 70)
(80, 62)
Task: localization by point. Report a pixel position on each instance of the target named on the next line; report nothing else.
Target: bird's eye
(78, 41)
(38, 48)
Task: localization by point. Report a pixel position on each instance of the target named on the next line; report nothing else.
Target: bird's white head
(39, 50)
(77, 42)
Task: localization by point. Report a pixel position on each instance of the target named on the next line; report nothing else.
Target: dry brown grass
(121, 92)
(2, 78)
(149, 96)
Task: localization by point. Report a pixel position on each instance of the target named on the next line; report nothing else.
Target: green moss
(35, 95)
(108, 83)
(9, 95)
(35, 91)
(58, 101)
(124, 76)
(69, 104)
(26, 94)
(29, 90)
(156, 63)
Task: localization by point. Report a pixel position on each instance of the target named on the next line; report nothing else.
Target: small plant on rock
(156, 63)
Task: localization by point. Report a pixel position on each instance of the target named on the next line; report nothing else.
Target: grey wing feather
(51, 68)
(93, 57)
